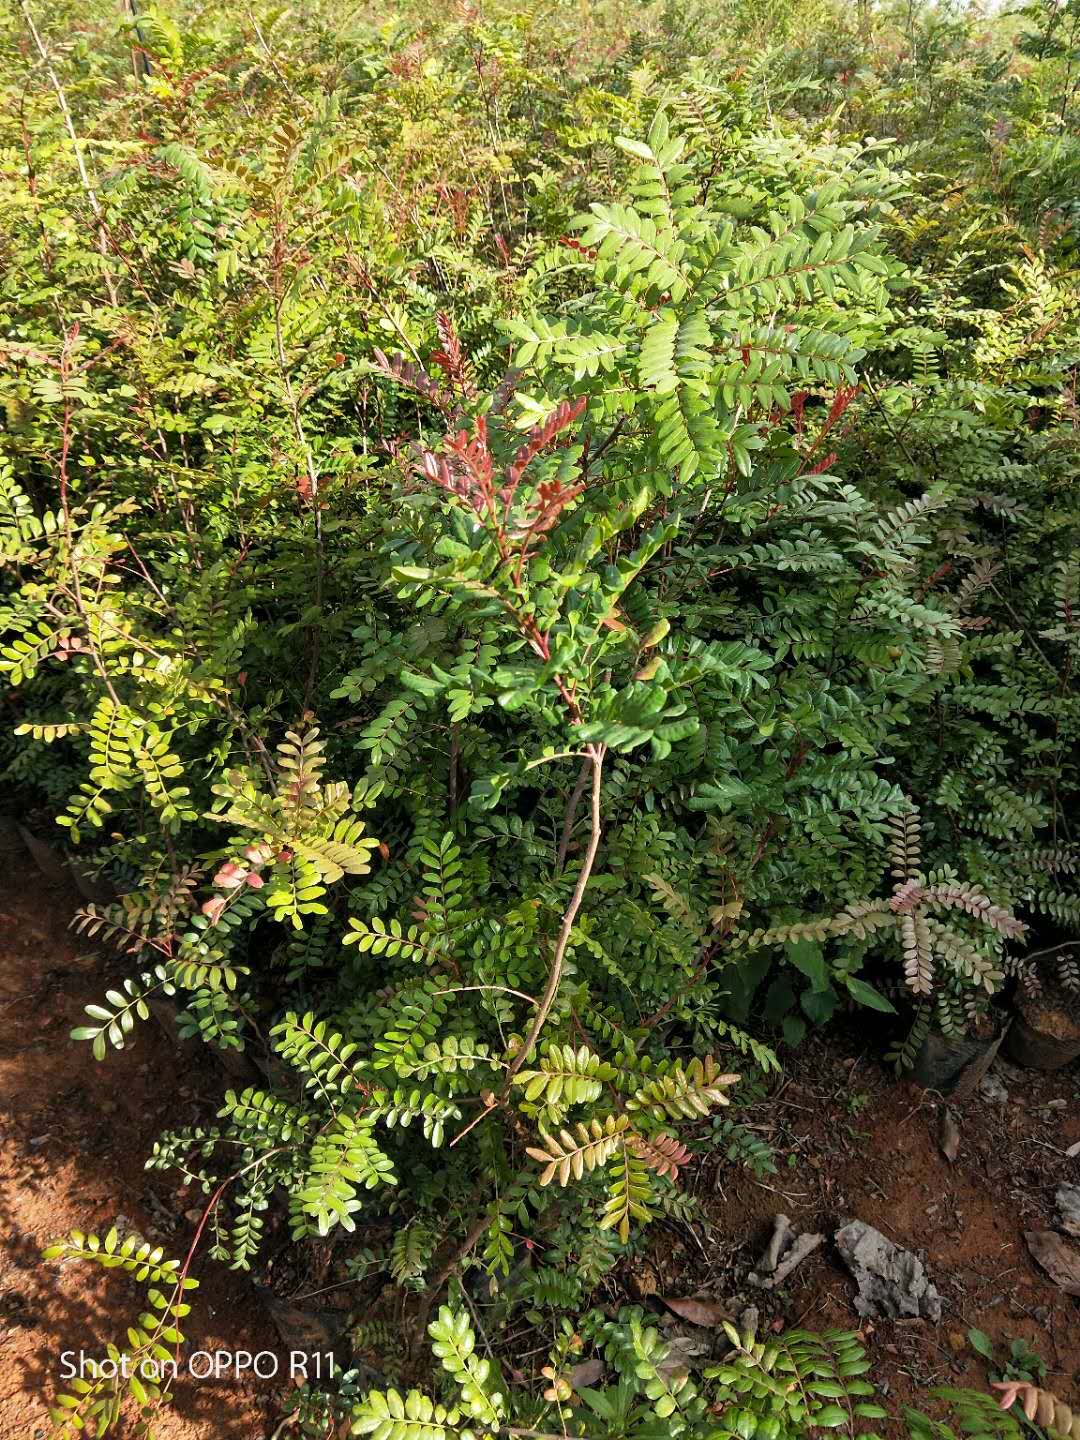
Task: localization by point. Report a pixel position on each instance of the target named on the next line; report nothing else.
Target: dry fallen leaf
(683, 1352)
(705, 1313)
(1060, 1260)
(644, 1281)
(587, 1373)
(949, 1136)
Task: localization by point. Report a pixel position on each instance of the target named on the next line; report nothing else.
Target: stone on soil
(892, 1281)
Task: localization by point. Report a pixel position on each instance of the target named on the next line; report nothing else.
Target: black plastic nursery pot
(953, 1064)
(61, 869)
(303, 1329)
(1044, 1035)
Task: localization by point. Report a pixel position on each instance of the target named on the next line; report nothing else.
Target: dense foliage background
(540, 561)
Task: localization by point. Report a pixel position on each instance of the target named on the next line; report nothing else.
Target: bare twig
(69, 125)
(292, 405)
(570, 814)
(596, 761)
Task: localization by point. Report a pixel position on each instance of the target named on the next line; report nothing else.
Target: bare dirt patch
(74, 1136)
(858, 1144)
(854, 1143)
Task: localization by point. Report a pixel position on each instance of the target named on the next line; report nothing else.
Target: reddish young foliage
(466, 470)
(798, 405)
(457, 202)
(468, 473)
(823, 465)
(414, 377)
(451, 358)
(572, 244)
(538, 439)
(845, 394)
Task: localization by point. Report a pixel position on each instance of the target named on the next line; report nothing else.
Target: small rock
(992, 1089)
(1068, 1203)
(783, 1253)
(892, 1281)
(949, 1136)
(299, 1328)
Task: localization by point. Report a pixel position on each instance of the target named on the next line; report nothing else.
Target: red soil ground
(855, 1143)
(74, 1136)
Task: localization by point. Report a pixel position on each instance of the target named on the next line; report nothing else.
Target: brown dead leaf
(683, 1353)
(705, 1313)
(587, 1373)
(644, 1281)
(1060, 1260)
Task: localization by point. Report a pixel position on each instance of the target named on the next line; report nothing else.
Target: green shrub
(504, 521)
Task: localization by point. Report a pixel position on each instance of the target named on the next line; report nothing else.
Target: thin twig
(597, 753)
(69, 125)
(293, 407)
(898, 439)
(270, 57)
(570, 814)
(64, 369)
(504, 989)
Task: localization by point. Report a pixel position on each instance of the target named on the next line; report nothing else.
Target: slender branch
(292, 405)
(435, 1288)
(69, 125)
(708, 955)
(897, 439)
(455, 765)
(590, 460)
(503, 989)
(1052, 949)
(570, 814)
(64, 369)
(211, 1206)
(596, 761)
(562, 755)
(1018, 620)
(271, 61)
(531, 1434)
